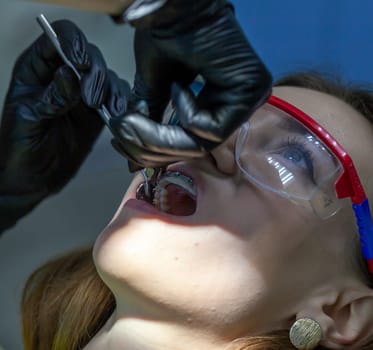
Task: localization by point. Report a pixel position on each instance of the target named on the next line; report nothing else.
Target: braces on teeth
(156, 184)
(160, 192)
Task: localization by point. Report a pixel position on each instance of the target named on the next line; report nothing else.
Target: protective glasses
(285, 151)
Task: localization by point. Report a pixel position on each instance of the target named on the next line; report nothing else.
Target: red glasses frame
(348, 183)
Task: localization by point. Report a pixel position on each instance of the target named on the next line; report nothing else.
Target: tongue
(180, 201)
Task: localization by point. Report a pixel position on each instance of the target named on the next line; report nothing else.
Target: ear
(346, 319)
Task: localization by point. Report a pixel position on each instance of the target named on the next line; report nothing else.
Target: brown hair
(65, 303)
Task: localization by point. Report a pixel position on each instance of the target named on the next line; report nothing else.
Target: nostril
(212, 160)
(225, 163)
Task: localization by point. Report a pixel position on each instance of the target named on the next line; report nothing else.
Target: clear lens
(278, 153)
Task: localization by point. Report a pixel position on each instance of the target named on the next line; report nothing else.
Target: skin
(251, 265)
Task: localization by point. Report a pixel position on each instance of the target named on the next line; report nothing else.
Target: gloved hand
(174, 44)
(47, 130)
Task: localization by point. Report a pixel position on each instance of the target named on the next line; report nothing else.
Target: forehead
(346, 125)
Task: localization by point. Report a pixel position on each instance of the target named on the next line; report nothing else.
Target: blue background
(332, 35)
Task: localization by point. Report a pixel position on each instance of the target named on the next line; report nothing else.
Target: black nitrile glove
(47, 130)
(180, 40)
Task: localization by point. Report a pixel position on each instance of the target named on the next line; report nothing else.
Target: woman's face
(246, 259)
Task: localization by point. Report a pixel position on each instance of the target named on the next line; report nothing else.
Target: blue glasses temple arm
(365, 224)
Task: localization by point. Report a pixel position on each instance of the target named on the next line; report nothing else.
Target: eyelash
(301, 146)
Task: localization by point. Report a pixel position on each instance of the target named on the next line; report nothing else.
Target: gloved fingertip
(93, 89)
(184, 103)
(95, 82)
(116, 146)
(80, 56)
(73, 42)
(133, 167)
(67, 82)
(118, 95)
(231, 7)
(117, 106)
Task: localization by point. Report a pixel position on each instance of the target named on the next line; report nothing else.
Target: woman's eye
(296, 155)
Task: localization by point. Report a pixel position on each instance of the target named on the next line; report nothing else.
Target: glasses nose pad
(325, 202)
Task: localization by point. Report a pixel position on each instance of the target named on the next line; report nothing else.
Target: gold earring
(305, 334)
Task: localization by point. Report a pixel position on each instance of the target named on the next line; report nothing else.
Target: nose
(224, 156)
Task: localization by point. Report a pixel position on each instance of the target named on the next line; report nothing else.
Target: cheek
(274, 229)
(248, 212)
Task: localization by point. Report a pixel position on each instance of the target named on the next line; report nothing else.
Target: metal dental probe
(51, 34)
(153, 173)
(102, 111)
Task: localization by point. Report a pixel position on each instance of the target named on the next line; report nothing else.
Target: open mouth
(172, 193)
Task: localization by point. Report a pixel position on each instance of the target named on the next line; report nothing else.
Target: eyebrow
(298, 128)
(293, 126)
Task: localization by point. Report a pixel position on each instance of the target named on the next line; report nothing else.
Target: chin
(167, 266)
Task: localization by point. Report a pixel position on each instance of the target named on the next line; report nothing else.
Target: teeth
(160, 191)
(160, 199)
(178, 179)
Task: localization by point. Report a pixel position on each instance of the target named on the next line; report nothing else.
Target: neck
(124, 331)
